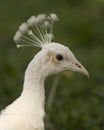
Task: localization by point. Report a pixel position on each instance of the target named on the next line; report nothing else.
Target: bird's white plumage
(37, 31)
(27, 112)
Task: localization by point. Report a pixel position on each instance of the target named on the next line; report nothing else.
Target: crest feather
(37, 31)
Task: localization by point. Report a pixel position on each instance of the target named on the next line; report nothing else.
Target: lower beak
(78, 67)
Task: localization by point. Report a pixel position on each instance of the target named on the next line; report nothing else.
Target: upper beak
(78, 67)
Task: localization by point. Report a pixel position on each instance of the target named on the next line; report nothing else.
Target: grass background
(79, 102)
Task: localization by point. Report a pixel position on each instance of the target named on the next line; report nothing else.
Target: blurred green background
(79, 102)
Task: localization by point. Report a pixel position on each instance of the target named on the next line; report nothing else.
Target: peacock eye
(59, 57)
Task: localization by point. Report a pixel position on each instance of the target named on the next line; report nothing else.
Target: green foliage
(79, 102)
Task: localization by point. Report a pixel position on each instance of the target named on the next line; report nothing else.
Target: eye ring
(59, 57)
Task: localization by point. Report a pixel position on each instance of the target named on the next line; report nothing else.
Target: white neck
(33, 90)
(34, 84)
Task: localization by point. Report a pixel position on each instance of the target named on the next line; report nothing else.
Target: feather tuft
(32, 20)
(41, 17)
(24, 27)
(54, 17)
(37, 31)
(17, 36)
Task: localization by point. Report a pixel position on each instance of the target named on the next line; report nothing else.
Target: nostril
(78, 65)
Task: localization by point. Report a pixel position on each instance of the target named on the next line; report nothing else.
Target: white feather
(37, 31)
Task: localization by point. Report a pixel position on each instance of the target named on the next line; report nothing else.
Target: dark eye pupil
(59, 57)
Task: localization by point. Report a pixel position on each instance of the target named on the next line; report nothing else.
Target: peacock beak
(78, 67)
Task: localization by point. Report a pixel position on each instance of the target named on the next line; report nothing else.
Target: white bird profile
(27, 111)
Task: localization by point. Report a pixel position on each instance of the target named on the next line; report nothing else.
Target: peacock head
(37, 31)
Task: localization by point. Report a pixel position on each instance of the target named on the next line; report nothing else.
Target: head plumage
(37, 31)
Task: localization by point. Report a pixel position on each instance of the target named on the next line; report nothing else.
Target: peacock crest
(37, 31)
